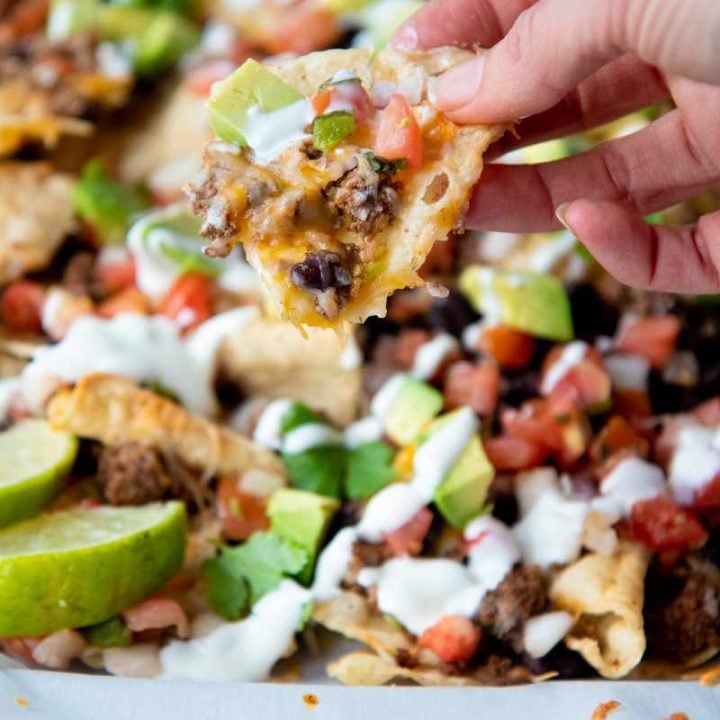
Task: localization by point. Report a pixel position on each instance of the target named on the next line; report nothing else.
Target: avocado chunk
(412, 408)
(302, 518)
(534, 303)
(251, 85)
(462, 494)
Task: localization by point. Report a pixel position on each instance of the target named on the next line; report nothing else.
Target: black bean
(320, 272)
(452, 313)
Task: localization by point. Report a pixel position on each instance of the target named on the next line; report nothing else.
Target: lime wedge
(34, 460)
(82, 566)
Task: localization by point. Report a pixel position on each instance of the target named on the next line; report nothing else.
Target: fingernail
(458, 86)
(405, 38)
(561, 215)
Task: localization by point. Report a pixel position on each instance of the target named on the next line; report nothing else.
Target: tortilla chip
(421, 217)
(36, 213)
(114, 410)
(606, 594)
(272, 359)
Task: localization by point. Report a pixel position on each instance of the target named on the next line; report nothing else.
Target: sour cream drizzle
(431, 354)
(629, 481)
(141, 348)
(244, 650)
(573, 354)
(311, 435)
(269, 133)
(385, 397)
(695, 462)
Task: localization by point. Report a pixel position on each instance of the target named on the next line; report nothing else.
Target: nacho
(606, 594)
(114, 410)
(338, 202)
(272, 359)
(36, 214)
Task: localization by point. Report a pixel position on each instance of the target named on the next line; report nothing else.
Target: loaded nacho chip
(337, 175)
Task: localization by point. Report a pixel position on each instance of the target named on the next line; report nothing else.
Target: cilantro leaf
(369, 470)
(239, 576)
(189, 261)
(383, 166)
(106, 205)
(320, 469)
(298, 414)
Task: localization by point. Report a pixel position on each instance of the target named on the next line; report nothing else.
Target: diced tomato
(533, 422)
(116, 275)
(408, 538)
(241, 513)
(409, 341)
(56, 67)
(653, 338)
(618, 434)
(661, 524)
(320, 101)
(632, 402)
(22, 18)
(20, 647)
(130, 300)
(708, 413)
(709, 495)
(189, 301)
(572, 424)
(473, 384)
(157, 614)
(302, 29)
(510, 348)
(590, 383)
(514, 454)
(453, 638)
(200, 79)
(21, 306)
(399, 136)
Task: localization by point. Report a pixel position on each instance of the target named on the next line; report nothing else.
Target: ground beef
(363, 198)
(132, 474)
(689, 623)
(365, 554)
(218, 225)
(519, 596)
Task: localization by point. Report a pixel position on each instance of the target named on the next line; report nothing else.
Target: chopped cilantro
(106, 205)
(370, 469)
(383, 166)
(319, 469)
(189, 261)
(111, 633)
(239, 576)
(298, 414)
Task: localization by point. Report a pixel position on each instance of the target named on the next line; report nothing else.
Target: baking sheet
(26, 694)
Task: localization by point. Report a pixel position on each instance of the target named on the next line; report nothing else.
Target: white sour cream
(333, 563)
(629, 481)
(627, 371)
(141, 348)
(388, 510)
(545, 257)
(430, 355)
(386, 395)
(695, 462)
(244, 650)
(543, 632)
(311, 435)
(573, 354)
(269, 133)
(365, 430)
(268, 430)
(493, 550)
(420, 591)
(436, 456)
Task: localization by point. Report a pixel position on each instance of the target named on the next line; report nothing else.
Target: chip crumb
(312, 701)
(21, 701)
(678, 716)
(604, 709)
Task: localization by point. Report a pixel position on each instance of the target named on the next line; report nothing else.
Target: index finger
(465, 23)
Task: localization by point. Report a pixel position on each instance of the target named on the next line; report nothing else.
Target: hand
(568, 65)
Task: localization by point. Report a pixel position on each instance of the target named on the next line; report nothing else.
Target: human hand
(568, 65)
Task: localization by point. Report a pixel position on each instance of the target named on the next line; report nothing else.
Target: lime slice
(34, 460)
(82, 566)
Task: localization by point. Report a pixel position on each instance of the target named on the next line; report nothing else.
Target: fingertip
(458, 87)
(405, 38)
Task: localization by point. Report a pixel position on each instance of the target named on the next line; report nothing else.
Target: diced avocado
(162, 42)
(415, 404)
(302, 518)
(461, 495)
(535, 303)
(331, 129)
(249, 86)
(345, 6)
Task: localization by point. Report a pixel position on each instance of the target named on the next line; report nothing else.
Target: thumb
(556, 44)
